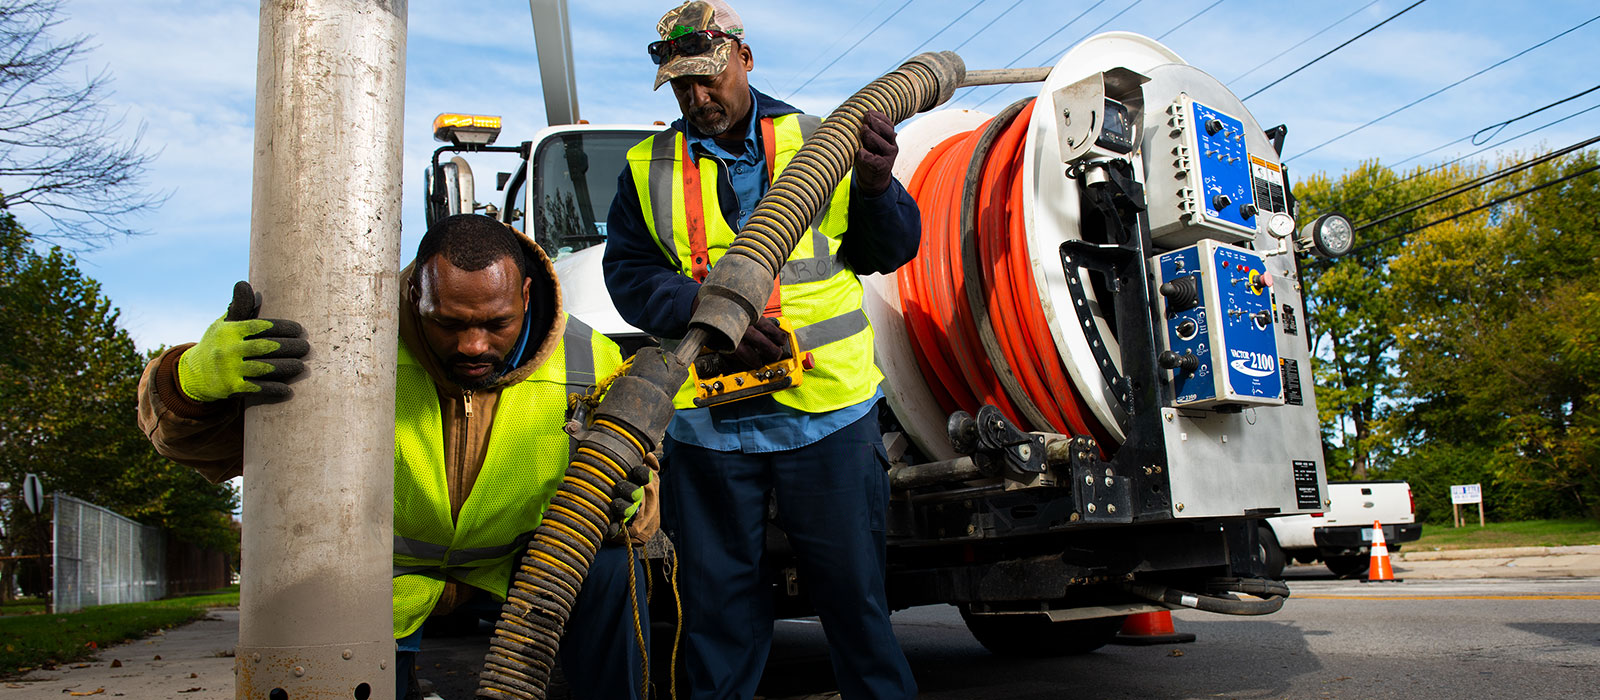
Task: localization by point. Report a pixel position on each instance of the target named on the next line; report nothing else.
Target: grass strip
(1528, 533)
(43, 641)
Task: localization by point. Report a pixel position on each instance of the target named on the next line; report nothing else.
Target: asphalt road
(1524, 638)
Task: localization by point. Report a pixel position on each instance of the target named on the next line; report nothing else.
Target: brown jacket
(210, 436)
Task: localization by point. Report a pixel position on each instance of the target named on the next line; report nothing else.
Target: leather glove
(629, 493)
(763, 344)
(241, 355)
(875, 159)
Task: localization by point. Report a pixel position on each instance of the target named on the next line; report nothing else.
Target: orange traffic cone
(1144, 629)
(1379, 569)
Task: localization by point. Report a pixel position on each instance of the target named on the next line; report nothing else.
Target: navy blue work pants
(831, 496)
(599, 650)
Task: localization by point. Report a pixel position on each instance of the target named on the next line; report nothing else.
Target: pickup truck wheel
(1348, 566)
(1036, 636)
(1271, 553)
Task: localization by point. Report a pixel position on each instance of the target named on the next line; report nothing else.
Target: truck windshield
(574, 180)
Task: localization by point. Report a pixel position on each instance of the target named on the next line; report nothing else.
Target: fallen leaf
(158, 658)
(192, 690)
(1176, 652)
(91, 645)
(10, 648)
(96, 691)
(14, 685)
(194, 675)
(80, 665)
(116, 663)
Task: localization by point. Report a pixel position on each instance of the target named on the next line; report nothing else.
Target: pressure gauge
(1328, 236)
(1280, 225)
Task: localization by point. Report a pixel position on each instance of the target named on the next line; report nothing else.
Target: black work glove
(763, 344)
(875, 159)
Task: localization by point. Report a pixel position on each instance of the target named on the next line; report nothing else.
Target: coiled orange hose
(942, 326)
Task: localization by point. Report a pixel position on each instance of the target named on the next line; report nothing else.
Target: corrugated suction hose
(633, 416)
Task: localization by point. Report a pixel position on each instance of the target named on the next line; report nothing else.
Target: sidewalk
(1505, 562)
(192, 662)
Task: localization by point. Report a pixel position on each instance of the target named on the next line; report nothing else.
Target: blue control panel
(1225, 190)
(1217, 304)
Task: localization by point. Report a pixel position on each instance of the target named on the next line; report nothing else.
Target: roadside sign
(32, 493)
(1466, 493)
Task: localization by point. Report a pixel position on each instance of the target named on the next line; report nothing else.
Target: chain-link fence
(103, 558)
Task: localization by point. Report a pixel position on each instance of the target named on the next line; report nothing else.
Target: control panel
(1217, 197)
(1220, 341)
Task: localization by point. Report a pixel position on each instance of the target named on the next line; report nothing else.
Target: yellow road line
(1553, 596)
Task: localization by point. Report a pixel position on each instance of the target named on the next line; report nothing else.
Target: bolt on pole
(315, 610)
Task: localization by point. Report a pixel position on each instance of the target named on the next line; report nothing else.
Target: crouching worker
(487, 359)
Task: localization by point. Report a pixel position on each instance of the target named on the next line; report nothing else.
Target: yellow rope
(638, 626)
(677, 629)
(592, 399)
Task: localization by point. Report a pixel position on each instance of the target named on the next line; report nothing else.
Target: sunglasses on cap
(691, 44)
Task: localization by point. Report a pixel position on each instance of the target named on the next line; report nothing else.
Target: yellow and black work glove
(875, 160)
(244, 356)
(629, 493)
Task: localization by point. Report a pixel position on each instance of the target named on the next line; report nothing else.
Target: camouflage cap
(694, 16)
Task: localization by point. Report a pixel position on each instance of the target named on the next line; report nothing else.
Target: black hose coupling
(948, 70)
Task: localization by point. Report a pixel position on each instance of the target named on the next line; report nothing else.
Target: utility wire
(1453, 161)
(1302, 42)
(1435, 93)
(942, 30)
(1058, 55)
(831, 46)
(1497, 128)
(986, 27)
(1481, 207)
(1347, 42)
(1472, 184)
(1193, 18)
(836, 59)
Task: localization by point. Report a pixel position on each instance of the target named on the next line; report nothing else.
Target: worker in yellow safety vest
(487, 360)
(814, 449)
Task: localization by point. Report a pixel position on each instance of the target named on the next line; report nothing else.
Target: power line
(1347, 42)
(1062, 52)
(1193, 18)
(1041, 42)
(1502, 125)
(836, 59)
(1472, 184)
(1481, 207)
(936, 34)
(840, 37)
(1453, 161)
(1302, 42)
(1435, 93)
(986, 27)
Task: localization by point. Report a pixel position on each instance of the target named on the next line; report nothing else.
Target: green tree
(1496, 338)
(1351, 312)
(68, 386)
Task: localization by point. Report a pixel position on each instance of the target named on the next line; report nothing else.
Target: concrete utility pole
(324, 251)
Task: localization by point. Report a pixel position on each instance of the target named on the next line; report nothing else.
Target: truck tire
(1351, 566)
(1271, 554)
(1036, 636)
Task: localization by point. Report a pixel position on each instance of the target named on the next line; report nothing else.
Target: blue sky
(186, 69)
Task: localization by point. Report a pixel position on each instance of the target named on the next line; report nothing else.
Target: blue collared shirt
(760, 424)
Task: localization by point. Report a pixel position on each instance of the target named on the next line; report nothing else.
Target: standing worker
(815, 448)
(487, 359)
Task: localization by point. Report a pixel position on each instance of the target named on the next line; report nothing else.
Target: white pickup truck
(1342, 535)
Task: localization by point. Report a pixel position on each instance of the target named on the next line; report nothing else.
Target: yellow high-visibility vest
(525, 462)
(820, 295)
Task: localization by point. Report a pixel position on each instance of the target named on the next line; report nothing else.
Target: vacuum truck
(1098, 375)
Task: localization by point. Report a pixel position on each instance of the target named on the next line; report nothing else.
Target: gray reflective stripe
(429, 571)
(831, 330)
(662, 157)
(579, 342)
(417, 549)
(808, 125)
